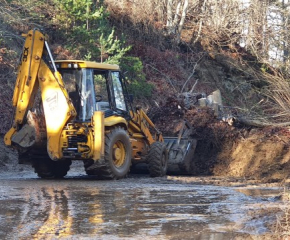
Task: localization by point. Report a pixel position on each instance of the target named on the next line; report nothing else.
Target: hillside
(255, 146)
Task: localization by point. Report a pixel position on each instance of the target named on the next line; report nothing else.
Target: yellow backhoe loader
(80, 110)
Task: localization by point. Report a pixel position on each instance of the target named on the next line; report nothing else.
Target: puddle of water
(122, 210)
(261, 192)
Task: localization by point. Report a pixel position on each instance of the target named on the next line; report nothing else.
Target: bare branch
(166, 77)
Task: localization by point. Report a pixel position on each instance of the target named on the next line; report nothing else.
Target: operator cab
(94, 87)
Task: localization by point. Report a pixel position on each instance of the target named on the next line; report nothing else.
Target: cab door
(118, 97)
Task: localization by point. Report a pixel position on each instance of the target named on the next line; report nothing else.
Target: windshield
(80, 88)
(93, 90)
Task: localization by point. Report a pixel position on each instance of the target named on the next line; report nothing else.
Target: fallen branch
(167, 78)
(259, 123)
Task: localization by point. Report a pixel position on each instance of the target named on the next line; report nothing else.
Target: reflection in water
(96, 215)
(44, 214)
(45, 210)
(58, 220)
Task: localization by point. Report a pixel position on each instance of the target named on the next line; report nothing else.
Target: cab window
(118, 91)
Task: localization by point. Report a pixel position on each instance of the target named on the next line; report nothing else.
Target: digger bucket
(181, 150)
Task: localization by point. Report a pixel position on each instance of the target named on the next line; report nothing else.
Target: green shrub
(89, 34)
(137, 85)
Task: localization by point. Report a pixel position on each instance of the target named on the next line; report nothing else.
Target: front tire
(117, 159)
(118, 153)
(157, 159)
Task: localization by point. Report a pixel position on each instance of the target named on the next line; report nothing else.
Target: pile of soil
(228, 150)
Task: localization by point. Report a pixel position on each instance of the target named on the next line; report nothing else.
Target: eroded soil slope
(230, 150)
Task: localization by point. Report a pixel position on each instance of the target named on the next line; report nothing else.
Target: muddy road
(139, 207)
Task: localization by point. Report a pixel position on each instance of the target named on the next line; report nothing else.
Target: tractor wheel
(118, 153)
(46, 168)
(157, 159)
(117, 159)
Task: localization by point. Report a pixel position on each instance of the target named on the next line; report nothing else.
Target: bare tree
(261, 26)
(176, 14)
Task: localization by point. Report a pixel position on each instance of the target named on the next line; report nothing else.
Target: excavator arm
(142, 124)
(34, 72)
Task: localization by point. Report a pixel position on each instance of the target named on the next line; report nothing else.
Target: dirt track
(135, 208)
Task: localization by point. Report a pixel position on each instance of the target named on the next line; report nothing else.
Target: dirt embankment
(229, 150)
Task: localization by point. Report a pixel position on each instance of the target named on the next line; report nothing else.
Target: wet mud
(139, 207)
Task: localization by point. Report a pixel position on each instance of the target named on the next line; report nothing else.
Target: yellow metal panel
(115, 120)
(87, 64)
(58, 109)
(26, 84)
(139, 147)
(99, 135)
(8, 136)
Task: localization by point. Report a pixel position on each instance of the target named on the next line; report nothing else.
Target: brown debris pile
(167, 118)
(225, 150)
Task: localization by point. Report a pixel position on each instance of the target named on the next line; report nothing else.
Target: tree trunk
(183, 15)
(169, 22)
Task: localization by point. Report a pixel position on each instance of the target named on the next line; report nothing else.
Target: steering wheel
(99, 98)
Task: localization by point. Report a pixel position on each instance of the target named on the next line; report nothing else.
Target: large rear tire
(46, 168)
(157, 159)
(117, 159)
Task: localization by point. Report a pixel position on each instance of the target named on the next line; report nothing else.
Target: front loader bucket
(181, 150)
